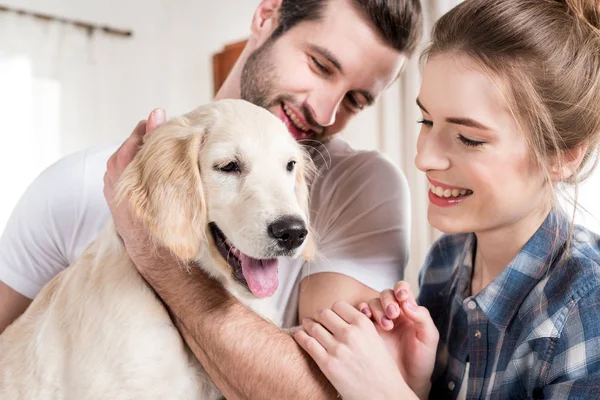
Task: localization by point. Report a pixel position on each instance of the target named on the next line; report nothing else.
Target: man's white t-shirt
(360, 212)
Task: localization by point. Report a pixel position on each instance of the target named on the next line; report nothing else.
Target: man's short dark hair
(398, 22)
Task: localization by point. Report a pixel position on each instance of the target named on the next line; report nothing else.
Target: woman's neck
(498, 247)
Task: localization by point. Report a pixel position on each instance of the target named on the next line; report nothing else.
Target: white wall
(142, 70)
(198, 29)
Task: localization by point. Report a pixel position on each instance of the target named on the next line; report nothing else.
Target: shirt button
(472, 305)
(451, 385)
(477, 334)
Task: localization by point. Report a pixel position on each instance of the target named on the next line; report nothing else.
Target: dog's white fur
(97, 331)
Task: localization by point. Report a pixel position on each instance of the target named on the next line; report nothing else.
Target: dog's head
(226, 181)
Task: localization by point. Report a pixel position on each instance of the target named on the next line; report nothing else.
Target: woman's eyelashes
(461, 138)
(469, 142)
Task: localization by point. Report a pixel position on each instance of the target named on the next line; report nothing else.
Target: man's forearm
(246, 356)
(12, 305)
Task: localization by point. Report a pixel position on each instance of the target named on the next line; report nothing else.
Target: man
(315, 64)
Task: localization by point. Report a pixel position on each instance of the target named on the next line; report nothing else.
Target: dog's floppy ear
(305, 173)
(164, 189)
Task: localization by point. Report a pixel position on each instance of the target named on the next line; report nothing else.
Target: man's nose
(324, 106)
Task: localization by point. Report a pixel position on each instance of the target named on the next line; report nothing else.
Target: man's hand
(124, 222)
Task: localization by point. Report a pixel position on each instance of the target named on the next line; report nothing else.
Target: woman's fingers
(390, 304)
(318, 332)
(365, 309)
(402, 291)
(426, 330)
(379, 315)
(333, 320)
(310, 345)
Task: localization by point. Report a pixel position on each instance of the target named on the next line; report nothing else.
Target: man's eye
(231, 167)
(425, 122)
(322, 68)
(357, 105)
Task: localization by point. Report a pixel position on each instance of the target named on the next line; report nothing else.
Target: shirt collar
(502, 298)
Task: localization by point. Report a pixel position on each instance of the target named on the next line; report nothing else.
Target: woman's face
(476, 158)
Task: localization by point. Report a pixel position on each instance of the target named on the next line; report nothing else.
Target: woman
(511, 110)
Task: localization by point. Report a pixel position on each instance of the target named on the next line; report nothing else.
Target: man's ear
(164, 189)
(566, 166)
(265, 19)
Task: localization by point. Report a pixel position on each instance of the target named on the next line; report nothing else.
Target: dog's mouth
(258, 276)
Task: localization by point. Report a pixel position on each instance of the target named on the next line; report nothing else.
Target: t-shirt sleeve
(34, 243)
(361, 218)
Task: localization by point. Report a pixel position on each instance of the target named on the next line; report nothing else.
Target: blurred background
(76, 74)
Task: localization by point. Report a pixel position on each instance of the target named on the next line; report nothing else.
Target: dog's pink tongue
(261, 275)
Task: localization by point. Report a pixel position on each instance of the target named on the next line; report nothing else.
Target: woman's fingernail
(159, 116)
(295, 329)
(386, 322)
(411, 306)
(364, 310)
(391, 309)
(401, 293)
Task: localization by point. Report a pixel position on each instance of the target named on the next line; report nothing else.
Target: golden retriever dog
(223, 187)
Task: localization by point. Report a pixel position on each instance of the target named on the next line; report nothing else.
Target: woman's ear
(568, 163)
(265, 19)
(164, 189)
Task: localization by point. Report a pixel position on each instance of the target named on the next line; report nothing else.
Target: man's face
(319, 74)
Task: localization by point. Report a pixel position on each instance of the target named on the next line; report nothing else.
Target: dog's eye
(290, 165)
(231, 167)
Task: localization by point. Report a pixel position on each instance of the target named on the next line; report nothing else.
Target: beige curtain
(398, 131)
(57, 88)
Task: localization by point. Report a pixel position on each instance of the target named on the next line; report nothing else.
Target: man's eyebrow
(323, 52)
(331, 58)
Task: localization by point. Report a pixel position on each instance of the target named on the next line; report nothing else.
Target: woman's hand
(349, 351)
(409, 333)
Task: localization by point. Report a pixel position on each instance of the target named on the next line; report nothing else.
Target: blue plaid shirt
(533, 332)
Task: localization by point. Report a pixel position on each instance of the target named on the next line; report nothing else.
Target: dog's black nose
(289, 232)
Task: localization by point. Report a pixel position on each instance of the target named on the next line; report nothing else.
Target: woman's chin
(446, 224)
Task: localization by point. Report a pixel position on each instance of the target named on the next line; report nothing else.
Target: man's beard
(258, 86)
(259, 77)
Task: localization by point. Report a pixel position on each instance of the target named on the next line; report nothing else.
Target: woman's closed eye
(469, 142)
(461, 138)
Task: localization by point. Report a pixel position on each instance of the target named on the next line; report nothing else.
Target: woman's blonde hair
(546, 54)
